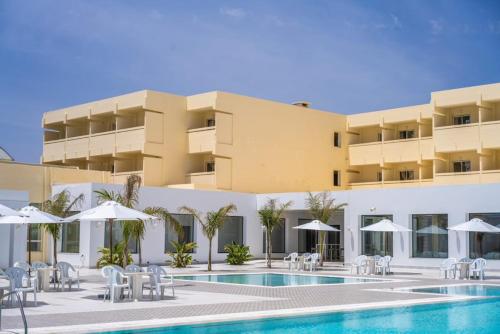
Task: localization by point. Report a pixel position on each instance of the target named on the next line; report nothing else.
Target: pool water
(463, 290)
(274, 280)
(479, 316)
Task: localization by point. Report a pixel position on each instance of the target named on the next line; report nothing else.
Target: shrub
(118, 256)
(181, 257)
(237, 254)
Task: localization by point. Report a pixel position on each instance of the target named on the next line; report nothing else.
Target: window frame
(390, 235)
(220, 248)
(336, 178)
(168, 230)
(406, 134)
(414, 232)
(337, 142)
(463, 163)
(282, 226)
(460, 119)
(404, 175)
(64, 228)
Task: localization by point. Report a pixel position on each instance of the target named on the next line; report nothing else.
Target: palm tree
(212, 222)
(135, 229)
(270, 218)
(61, 205)
(321, 207)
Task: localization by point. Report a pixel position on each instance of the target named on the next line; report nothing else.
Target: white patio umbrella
(385, 225)
(432, 229)
(110, 211)
(317, 225)
(30, 215)
(6, 211)
(475, 225)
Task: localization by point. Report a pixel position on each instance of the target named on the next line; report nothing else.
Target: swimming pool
(478, 316)
(463, 290)
(274, 279)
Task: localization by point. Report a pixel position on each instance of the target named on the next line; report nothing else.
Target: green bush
(181, 257)
(237, 254)
(118, 256)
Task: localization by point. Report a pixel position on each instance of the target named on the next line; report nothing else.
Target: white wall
(92, 234)
(456, 201)
(13, 241)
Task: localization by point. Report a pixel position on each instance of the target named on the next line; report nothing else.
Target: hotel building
(426, 167)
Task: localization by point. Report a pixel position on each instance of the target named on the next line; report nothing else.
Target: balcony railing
(201, 178)
(202, 140)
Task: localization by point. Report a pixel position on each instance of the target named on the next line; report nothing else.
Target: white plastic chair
(381, 265)
(291, 260)
(448, 267)
(63, 268)
(388, 258)
(156, 283)
(358, 264)
(311, 261)
(17, 277)
(115, 280)
(477, 268)
(30, 272)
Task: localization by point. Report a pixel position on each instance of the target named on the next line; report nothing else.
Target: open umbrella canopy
(6, 211)
(475, 225)
(111, 210)
(432, 229)
(317, 225)
(385, 225)
(31, 215)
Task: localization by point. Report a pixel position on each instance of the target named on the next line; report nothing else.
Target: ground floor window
(485, 245)
(307, 238)
(35, 231)
(187, 222)
(375, 243)
(133, 244)
(430, 236)
(277, 238)
(70, 237)
(231, 231)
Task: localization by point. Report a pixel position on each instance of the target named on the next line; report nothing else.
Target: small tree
(135, 229)
(270, 218)
(211, 223)
(321, 207)
(59, 205)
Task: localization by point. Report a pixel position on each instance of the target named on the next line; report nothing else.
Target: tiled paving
(198, 299)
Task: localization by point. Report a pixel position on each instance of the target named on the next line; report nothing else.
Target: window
(70, 237)
(406, 134)
(307, 238)
(406, 175)
(462, 119)
(211, 122)
(210, 166)
(430, 236)
(336, 139)
(187, 222)
(277, 238)
(35, 232)
(379, 176)
(375, 243)
(379, 136)
(461, 166)
(231, 231)
(485, 245)
(336, 178)
(118, 237)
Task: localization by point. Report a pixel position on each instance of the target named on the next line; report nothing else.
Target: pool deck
(199, 302)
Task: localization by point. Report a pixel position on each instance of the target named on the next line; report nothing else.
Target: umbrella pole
(111, 241)
(29, 244)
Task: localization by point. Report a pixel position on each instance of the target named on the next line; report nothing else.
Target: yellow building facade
(224, 141)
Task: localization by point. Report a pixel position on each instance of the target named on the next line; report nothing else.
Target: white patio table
(136, 280)
(44, 277)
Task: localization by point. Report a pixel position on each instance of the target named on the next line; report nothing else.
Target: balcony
(456, 138)
(393, 151)
(202, 140)
(130, 140)
(54, 150)
(204, 178)
(489, 132)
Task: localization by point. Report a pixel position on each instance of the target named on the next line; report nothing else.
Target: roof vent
(303, 104)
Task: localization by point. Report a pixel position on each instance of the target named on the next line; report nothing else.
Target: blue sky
(343, 56)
